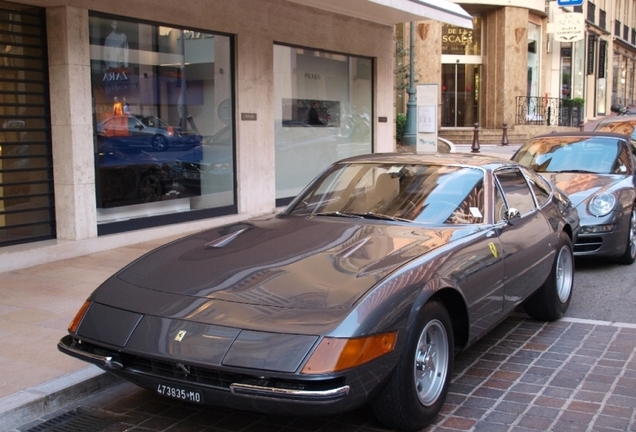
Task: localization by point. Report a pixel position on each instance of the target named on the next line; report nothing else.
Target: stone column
(505, 65)
(71, 123)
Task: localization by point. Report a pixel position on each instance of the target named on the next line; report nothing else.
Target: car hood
(579, 187)
(288, 262)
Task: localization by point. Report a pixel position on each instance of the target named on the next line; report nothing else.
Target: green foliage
(574, 102)
(400, 127)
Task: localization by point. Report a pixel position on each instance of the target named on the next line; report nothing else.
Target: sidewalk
(36, 306)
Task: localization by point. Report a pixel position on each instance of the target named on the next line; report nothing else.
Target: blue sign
(569, 2)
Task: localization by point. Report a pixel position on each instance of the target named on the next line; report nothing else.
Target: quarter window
(516, 192)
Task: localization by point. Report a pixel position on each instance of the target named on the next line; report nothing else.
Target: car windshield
(598, 155)
(431, 194)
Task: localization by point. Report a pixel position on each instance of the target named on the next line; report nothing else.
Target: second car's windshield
(599, 155)
(422, 193)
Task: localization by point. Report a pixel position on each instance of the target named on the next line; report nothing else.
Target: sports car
(597, 171)
(361, 291)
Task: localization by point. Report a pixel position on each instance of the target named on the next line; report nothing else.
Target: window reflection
(162, 114)
(322, 113)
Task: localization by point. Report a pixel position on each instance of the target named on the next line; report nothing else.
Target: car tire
(630, 245)
(553, 298)
(417, 387)
(159, 142)
(150, 188)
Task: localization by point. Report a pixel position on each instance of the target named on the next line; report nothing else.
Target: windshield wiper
(381, 216)
(339, 214)
(367, 215)
(575, 171)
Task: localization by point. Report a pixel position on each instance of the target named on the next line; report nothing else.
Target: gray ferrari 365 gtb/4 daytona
(361, 291)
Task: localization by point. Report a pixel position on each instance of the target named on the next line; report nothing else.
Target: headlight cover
(602, 204)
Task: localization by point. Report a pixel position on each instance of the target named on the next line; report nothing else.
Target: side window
(500, 205)
(624, 161)
(516, 191)
(539, 186)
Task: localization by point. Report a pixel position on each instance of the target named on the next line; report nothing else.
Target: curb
(30, 404)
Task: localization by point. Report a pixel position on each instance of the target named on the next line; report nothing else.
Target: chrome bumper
(68, 346)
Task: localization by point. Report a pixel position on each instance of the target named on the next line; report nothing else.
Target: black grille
(184, 373)
(588, 244)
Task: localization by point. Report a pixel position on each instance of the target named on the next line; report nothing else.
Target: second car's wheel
(159, 142)
(150, 188)
(630, 246)
(551, 301)
(417, 388)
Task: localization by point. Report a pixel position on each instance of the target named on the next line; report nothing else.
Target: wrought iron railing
(548, 111)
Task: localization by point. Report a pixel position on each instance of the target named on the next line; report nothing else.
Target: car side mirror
(512, 215)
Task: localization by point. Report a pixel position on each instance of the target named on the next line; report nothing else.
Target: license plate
(192, 176)
(180, 393)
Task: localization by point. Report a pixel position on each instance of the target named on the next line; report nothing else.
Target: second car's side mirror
(512, 215)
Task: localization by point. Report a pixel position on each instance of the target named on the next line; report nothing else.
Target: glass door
(460, 94)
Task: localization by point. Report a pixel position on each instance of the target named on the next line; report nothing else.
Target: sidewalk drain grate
(77, 420)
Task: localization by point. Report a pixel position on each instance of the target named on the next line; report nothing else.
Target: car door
(526, 241)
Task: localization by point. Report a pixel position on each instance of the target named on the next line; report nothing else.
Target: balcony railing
(537, 110)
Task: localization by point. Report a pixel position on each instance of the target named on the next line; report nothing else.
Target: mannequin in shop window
(126, 107)
(312, 116)
(115, 53)
(117, 107)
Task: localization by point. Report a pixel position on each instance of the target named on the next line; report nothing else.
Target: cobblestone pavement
(569, 375)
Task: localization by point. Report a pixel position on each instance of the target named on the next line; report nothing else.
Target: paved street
(526, 376)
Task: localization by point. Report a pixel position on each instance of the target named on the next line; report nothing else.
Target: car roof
(478, 160)
(619, 119)
(582, 134)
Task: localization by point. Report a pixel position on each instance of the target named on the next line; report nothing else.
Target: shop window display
(323, 112)
(163, 130)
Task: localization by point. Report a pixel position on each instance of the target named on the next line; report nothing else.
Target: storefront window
(323, 112)
(163, 119)
(578, 69)
(566, 70)
(534, 59)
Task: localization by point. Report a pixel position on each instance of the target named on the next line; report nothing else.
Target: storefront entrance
(460, 94)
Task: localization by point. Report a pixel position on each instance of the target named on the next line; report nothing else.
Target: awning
(390, 12)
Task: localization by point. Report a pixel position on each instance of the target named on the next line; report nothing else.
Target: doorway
(460, 94)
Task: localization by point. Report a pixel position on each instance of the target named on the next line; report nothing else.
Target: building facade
(512, 68)
(130, 121)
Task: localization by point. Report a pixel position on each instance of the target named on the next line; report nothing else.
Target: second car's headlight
(602, 204)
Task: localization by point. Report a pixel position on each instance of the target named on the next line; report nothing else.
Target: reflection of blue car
(130, 178)
(209, 165)
(145, 132)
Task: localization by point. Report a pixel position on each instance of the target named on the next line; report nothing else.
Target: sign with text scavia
(569, 27)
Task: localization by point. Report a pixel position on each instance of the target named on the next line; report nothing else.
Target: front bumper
(606, 244)
(231, 387)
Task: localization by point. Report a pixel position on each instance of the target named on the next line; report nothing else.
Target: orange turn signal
(336, 354)
(72, 328)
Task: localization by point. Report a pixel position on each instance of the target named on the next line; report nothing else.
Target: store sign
(566, 3)
(569, 27)
(455, 39)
